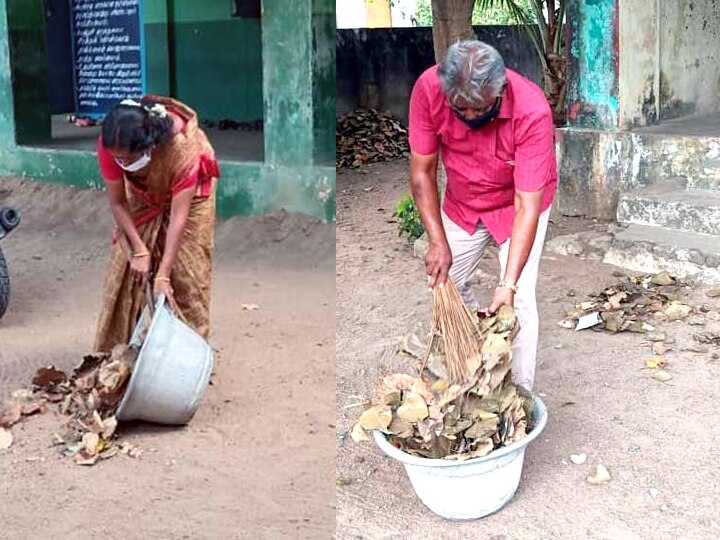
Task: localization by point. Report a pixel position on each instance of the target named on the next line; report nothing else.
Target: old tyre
(9, 218)
(4, 285)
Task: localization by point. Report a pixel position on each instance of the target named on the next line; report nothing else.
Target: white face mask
(136, 165)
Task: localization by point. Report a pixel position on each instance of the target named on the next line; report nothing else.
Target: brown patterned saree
(185, 161)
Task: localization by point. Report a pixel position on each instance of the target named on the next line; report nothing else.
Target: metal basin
(172, 370)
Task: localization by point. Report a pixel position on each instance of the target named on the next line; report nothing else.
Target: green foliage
(492, 13)
(408, 216)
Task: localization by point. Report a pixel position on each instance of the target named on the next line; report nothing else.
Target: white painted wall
(350, 14)
(669, 59)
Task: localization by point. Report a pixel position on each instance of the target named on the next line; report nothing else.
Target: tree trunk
(452, 21)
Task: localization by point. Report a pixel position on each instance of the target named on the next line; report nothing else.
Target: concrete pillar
(7, 117)
(324, 88)
(288, 82)
(158, 50)
(29, 71)
(593, 94)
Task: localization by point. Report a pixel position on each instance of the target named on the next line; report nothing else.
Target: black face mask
(481, 120)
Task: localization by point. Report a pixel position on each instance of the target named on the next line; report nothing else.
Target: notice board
(108, 53)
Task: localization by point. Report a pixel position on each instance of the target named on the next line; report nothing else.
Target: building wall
(323, 28)
(670, 59)
(639, 85)
(377, 68)
(289, 178)
(215, 61)
(689, 57)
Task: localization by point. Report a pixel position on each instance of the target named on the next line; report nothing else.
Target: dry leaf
(92, 443)
(601, 476)
(617, 299)
(483, 449)
(676, 311)
(23, 394)
(10, 413)
(655, 362)
(413, 408)
(358, 434)
(130, 450)
(413, 346)
(401, 428)
(6, 439)
(378, 417)
(84, 458)
(48, 378)
(662, 279)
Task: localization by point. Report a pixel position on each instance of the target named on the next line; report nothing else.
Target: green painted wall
(157, 51)
(288, 178)
(323, 28)
(287, 65)
(217, 60)
(28, 57)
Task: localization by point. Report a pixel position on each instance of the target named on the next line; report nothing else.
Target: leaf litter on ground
(446, 412)
(633, 305)
(86, 401)
(367, 135)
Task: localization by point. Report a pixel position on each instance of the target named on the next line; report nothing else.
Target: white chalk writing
(107, 51)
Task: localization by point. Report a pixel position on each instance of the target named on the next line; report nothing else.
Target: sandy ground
(650, 435)
(256, 461)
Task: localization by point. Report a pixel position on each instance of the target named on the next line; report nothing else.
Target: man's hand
(504, 296)
(437, 263)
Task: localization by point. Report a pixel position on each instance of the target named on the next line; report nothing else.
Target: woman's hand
(140, 267)
(163, 286)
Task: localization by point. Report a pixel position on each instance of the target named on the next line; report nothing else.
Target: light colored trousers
(467, 250)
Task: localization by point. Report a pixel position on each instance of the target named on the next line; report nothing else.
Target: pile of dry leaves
(85, 401)
(430, 417)
(368, 136)
(637, 302)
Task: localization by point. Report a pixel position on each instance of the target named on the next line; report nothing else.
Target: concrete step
(692, 210)
(650, 249)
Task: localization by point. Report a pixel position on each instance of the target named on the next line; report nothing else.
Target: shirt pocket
(458, 142)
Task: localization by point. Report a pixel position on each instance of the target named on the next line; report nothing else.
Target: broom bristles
(457, 325)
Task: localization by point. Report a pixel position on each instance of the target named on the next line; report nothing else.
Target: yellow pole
(378, 13)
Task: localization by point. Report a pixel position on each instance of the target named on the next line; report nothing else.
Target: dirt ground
(601, 401)
(255, 462)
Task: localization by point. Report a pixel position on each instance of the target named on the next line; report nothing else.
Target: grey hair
(473, 71)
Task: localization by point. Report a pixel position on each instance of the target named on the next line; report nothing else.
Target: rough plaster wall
(638, 61)
(690, 57)
(596, 166)
(593, 95)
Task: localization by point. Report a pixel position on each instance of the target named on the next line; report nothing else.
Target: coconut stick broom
(455, 324)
